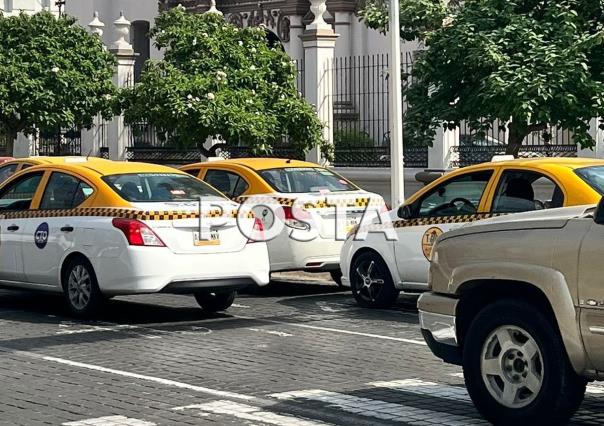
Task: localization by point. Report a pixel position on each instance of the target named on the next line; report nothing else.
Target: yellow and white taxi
(93, 229)
(383, 259)
(316, 206)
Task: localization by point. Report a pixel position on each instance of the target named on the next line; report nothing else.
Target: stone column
(439, 155)
(319, 42)
(117, 131)
(598, 135)
(296, 29)
(342, 26)
(91, 137)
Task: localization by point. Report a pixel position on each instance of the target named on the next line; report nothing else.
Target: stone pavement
(298, 353)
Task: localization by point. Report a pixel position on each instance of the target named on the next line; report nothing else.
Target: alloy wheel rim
(511, 366)
(369, 281)
(79, 287)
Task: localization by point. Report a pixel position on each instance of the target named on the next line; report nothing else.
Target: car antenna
(288, 161)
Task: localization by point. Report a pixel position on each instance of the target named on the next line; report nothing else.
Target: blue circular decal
(41, 235)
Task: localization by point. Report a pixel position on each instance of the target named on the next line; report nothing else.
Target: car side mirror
(599, 214)
(404, 212)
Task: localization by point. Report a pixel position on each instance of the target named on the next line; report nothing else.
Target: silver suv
(518, 301)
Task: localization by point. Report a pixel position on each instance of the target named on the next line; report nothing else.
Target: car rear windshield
(159, 187)
(305, 179)
(594, 176)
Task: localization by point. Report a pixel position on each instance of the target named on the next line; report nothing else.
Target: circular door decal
(41, 235)
(429, 239)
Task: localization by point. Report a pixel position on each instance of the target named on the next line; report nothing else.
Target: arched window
(141, 42)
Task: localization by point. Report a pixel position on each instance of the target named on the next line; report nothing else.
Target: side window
(193, 172)
(19, 194)
(64, 192)
(457, 196)
(230, 184)
(521, 191)
(7, 171)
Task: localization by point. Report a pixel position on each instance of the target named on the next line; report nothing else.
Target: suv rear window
(159, 187)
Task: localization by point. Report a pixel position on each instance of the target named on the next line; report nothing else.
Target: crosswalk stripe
(251, 413)
(378, 409)
(420, 387)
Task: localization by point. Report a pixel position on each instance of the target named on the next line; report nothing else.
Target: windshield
(305, 179)
(594, 176)
(159, 187)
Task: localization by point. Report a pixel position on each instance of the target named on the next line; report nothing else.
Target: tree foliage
(217, 79)
(53, 74)
(526, 63)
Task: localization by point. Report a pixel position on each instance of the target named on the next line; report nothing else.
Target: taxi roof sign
(497, 158)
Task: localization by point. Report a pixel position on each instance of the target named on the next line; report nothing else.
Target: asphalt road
(298, 353)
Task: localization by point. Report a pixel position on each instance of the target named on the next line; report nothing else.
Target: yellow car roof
(107, 167)
(53, 160)
(261, 163)
(542, 163)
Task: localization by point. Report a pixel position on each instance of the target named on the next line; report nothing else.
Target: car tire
(336, 276)
(81, 288)
(532, 380)
(371, 282)
(214, 302)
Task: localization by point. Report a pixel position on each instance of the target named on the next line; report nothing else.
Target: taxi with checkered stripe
(382, 260)
(93, 229)
(312, 237)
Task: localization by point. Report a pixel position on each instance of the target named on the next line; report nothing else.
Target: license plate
(214, 239)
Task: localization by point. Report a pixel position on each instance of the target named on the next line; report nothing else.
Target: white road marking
(419, 387)
(378, 409)
(251, 413)
(166, 382)
(110, 421)
(333, 307)
(273, 332)
(595, 389)
(336, 330)
(459, 375)
(237, 305)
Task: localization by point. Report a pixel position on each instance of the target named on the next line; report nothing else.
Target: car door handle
(67, 229)
(13, 228)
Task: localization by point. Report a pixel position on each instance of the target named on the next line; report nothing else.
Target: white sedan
(96, 229)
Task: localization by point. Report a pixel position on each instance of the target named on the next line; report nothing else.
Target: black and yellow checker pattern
(427, 221)
(123, 213)
(316, 203)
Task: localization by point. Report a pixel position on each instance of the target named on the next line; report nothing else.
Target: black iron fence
(361, 118)
(4, 145)
(60, 142)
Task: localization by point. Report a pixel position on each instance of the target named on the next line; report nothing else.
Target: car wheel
(371, 282)
(516, 368)
(81, 288)
(336, 276)
(214, 302)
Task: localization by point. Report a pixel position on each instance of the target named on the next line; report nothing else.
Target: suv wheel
(516, 368)
(81, 289)
(371, 283)
(214, 302)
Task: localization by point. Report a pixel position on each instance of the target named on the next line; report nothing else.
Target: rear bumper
(156, 269)
(438, 324)
(320, 254)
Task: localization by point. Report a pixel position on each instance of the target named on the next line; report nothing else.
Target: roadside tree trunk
(518, 131)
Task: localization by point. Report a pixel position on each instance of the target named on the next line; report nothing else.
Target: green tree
(526, 63)
(53, 74)
(217, 79)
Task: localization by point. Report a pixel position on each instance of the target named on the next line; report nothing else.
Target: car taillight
(137, 233)
(257, 232)
(296, 221)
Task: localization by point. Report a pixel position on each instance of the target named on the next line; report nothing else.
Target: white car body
(316, 249)
(32, 256)
(405, 257)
